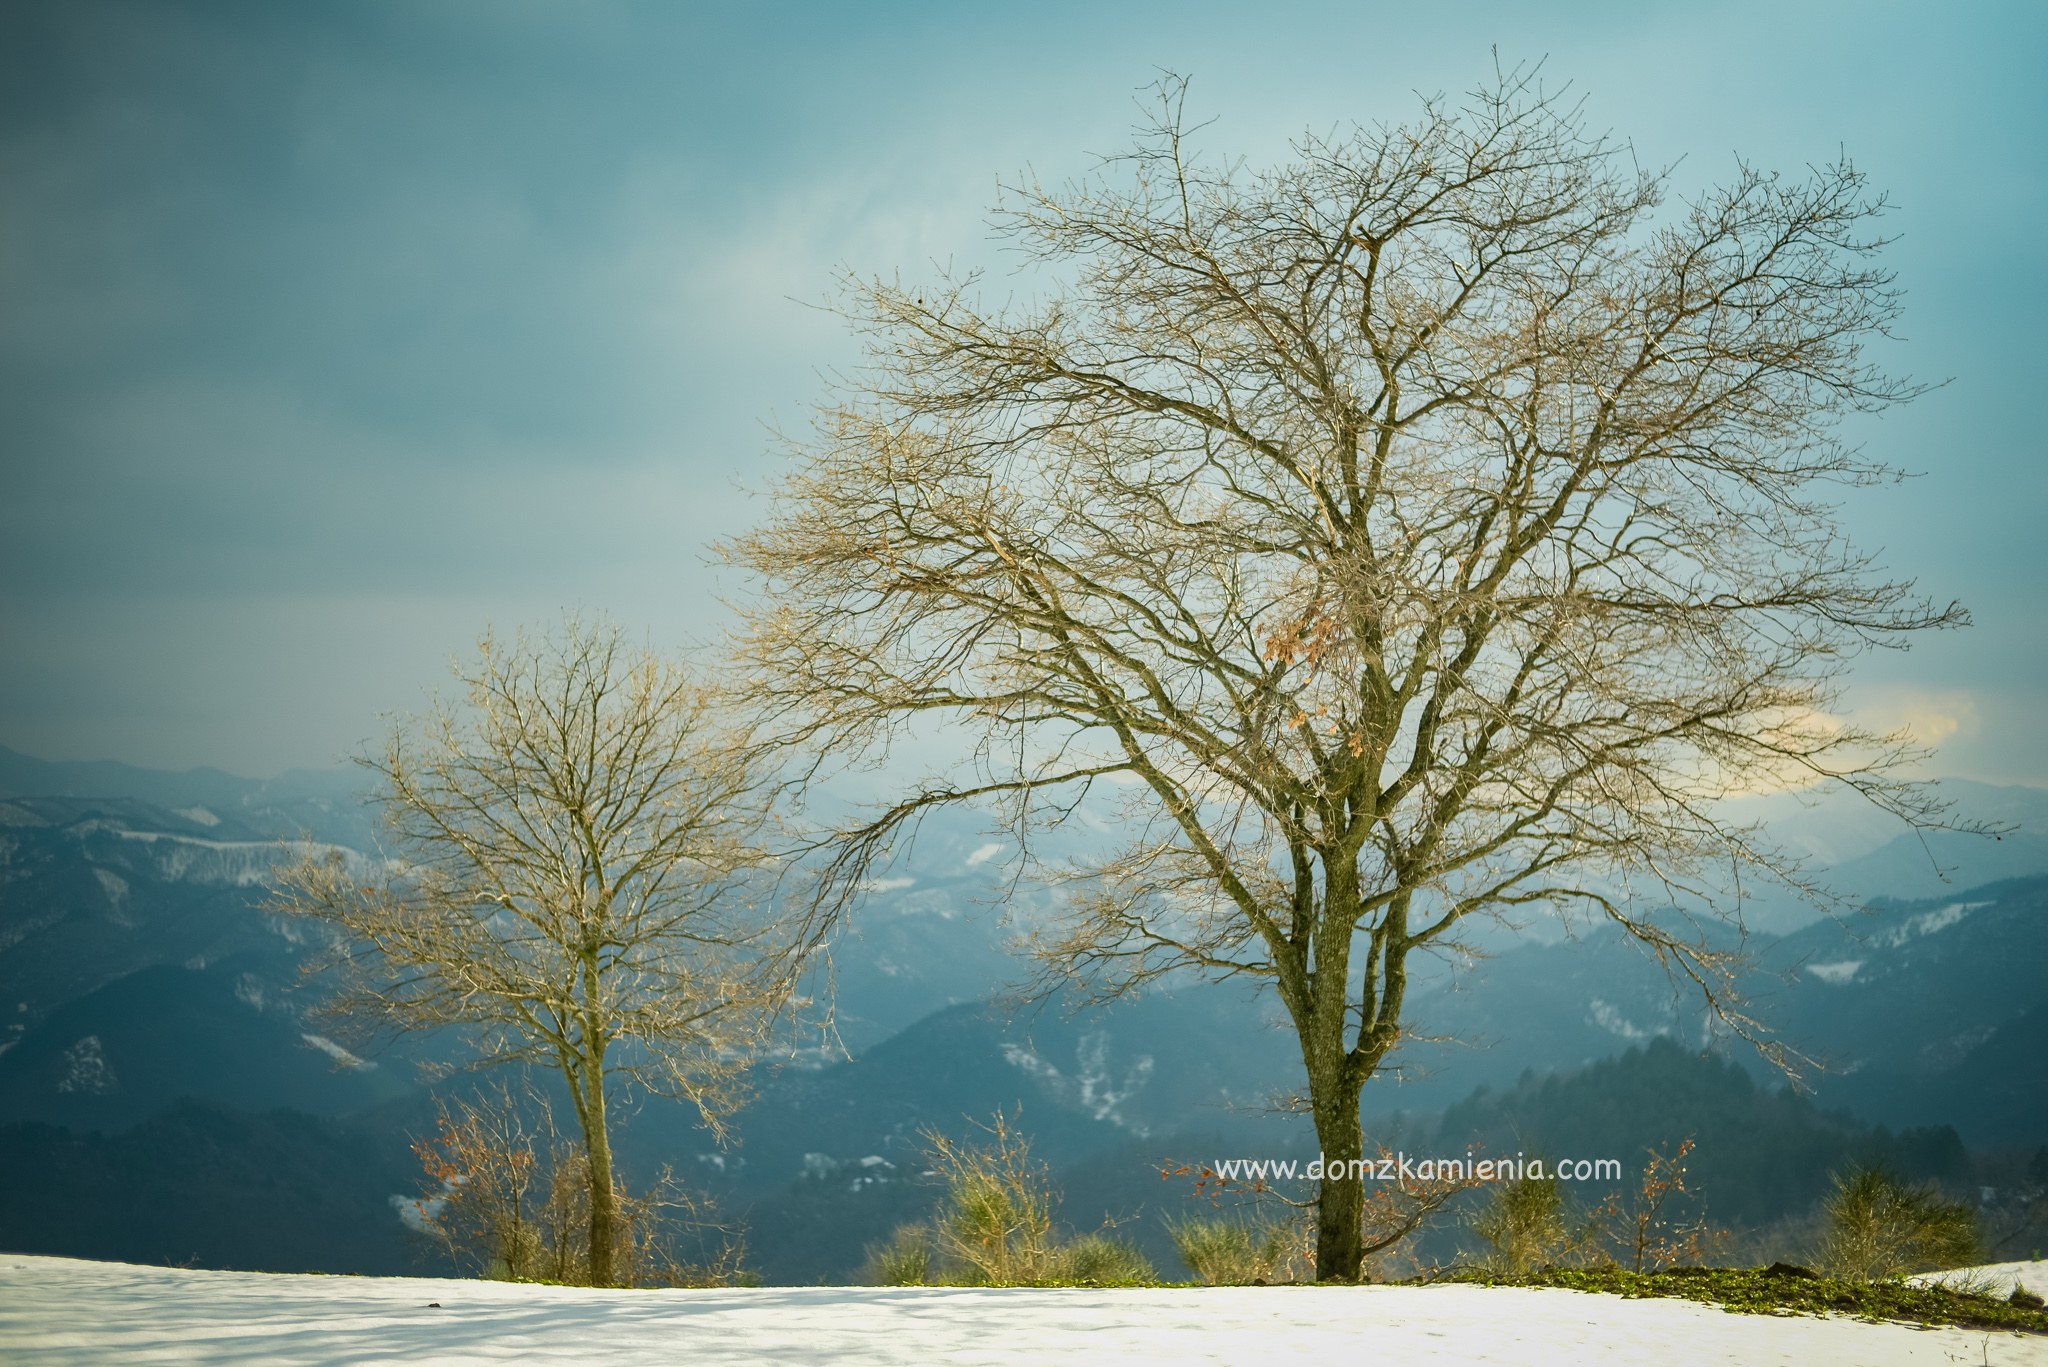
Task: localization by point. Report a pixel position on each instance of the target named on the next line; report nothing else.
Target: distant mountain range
(138, 974)
(1888, 1007)
(326, 803)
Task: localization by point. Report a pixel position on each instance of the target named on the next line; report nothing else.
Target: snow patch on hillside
(1609, 1018)
(338, 1054)
(236, 863)
(1930, 923)
(1101, 1093)
(86, 1070)
(1029, 1062)
(112, 884)
(420, 1214)
(1093, 1087)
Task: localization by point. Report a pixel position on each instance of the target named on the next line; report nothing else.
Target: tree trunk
(1340, 1200)
(1333, 1084)
(604, 1206)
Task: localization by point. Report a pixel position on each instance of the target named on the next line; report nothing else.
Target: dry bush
(1241, 1250)
(508, 1198)
(1102, 1260)
(996, 1219)
(995, 1226)
(1878, 1226)
(1659, 1224)
(904, 1260)
(1524, 1226)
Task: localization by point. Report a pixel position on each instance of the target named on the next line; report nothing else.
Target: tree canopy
(1437, 524)
(571, 884)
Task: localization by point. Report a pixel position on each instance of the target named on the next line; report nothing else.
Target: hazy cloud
(330, 333)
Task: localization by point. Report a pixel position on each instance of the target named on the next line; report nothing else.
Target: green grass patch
(1774, 1291)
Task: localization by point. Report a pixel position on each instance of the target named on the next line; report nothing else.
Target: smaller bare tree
(571, 885)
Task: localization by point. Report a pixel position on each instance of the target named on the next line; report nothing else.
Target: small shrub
(996, 1219)
(905, 1260)
(1235, 1251)
(994, 1225)
(1879, 1227)
(1523, 1225)
(1099, 1260)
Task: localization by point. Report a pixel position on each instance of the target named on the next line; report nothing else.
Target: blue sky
(332, 333)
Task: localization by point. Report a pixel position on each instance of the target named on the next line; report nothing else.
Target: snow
(1932, 922)
(113, 884)
(418, 1213)
(1843, 971)
(340, 1055)
(1609, 1018)
(239, 863)
(64, 1312)
(87, 1071)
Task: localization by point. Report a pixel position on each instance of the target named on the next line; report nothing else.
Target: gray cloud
(330, 333)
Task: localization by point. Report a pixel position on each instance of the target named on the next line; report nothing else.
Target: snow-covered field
(61, 1310)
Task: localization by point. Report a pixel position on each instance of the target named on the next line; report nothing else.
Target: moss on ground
(1785, 1291)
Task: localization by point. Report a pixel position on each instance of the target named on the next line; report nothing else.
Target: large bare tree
(573, 848)
(1429, 527)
